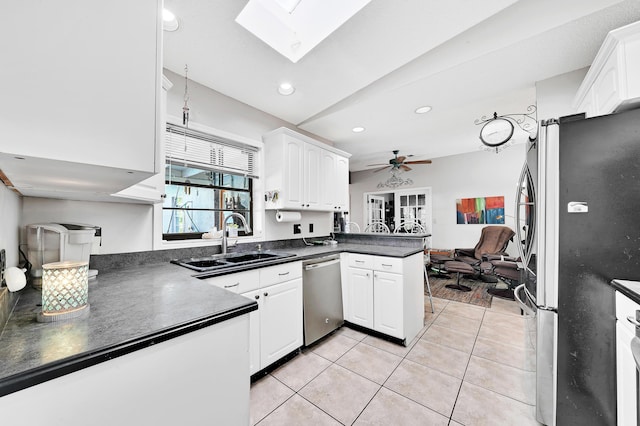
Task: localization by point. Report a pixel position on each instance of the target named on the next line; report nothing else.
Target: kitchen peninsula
(164, 334)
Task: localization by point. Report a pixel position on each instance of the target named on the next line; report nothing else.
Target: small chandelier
(395, 180)
(497, 131)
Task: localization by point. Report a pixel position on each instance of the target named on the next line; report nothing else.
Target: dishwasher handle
(321, 264)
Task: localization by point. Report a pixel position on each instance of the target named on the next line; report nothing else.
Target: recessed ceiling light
(423, 109)
(357, 129)
(286, 89)
(169, 20)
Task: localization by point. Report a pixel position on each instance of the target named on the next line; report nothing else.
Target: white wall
(10, 208)
(322, 226)
(555, 95)
(476, 174)
(125, 227)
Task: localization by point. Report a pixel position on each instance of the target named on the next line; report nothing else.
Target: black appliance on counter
(588, 233)
(340, 220)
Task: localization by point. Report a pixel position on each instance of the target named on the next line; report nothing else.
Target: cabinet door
(342, 183)
(328, 199)
(312, 179)
(78, 90)
(387, 304)
(293, 163)
(280, 320)
(254, 332)
(359, 306)
(151, 190)
(626, 375)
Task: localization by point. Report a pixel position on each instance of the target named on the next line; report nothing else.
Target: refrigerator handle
(521, 181)
(516, 293)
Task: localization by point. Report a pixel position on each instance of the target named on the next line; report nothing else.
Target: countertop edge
(49, 371)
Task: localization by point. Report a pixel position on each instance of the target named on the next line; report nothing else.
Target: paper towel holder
(288, 216)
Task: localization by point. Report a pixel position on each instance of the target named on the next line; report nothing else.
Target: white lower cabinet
(275, 329)
(384, 294)
(627, 386)
(388, 303)
(280, 321)
(359, 293)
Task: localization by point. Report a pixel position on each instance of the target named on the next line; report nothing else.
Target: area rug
(477, 296)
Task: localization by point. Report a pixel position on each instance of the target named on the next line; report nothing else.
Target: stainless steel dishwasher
(322, 293)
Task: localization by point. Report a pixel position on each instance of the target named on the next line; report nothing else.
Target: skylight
(294, 27)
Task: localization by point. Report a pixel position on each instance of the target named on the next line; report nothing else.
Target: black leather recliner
(493, 241)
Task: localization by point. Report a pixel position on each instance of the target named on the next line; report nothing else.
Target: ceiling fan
(399, 163)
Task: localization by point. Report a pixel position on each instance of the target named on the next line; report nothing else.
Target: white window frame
(257, 197)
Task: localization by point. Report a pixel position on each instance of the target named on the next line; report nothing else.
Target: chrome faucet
(224, 229)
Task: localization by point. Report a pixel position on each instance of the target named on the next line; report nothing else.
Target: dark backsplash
(124, 260)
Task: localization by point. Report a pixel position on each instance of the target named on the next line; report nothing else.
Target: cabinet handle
(367, 274)
(359, 261)
(266, 294)
(284, 273)
(233, 285)
(257, 296)
(387, 265)
(633, 321)
(163, 196)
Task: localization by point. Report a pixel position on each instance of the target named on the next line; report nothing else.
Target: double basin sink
(227, 260)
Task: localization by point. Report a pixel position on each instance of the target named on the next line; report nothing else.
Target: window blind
(190, 147)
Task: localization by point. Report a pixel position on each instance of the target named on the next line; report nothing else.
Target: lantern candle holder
(65, 291)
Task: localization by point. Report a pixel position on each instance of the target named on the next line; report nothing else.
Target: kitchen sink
(220, 261)
(250, 257)
(206, 263)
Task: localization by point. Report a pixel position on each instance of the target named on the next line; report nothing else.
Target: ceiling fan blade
(401, 159)
(418, 162)
(380, 164)
(380, 169)
(405, 168)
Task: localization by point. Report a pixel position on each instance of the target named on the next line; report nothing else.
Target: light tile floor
(468, 366)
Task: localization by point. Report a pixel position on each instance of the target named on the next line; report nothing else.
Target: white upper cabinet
(612, 83)
(152, 190)
(342, 190)
(312, 176)
(330, 181)
(304, 174)
(80, 95)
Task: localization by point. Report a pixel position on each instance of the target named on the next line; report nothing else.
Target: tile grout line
(453, 409)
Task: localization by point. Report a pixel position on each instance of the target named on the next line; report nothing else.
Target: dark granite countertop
(138, 300)
(631, 289)
(130, 309)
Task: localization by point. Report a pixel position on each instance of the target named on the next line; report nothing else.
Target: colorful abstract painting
(482, 210)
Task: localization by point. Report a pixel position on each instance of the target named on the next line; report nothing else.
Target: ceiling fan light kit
(395, 180)
(396, 166)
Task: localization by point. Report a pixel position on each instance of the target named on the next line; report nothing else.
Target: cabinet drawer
(363, 261)
(280, 273)
(625, 307)
(238, 282)
(388, 264)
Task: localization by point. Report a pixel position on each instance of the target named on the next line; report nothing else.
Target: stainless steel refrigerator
(587, 196)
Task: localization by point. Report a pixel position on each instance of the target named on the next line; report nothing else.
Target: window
(206, 179)
(198, 200)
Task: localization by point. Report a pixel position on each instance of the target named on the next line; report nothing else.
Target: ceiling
(464, 58)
